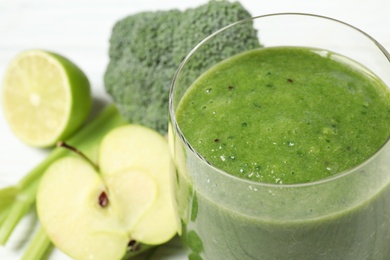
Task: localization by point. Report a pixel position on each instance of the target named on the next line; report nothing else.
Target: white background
(80, 29)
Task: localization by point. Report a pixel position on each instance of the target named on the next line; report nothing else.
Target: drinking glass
(220, 216)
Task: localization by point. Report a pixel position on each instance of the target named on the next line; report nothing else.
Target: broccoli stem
(86, 139)
(38, 247)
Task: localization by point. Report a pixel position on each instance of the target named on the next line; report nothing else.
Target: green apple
(88, 215)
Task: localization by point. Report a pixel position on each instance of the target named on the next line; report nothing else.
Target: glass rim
(176, 128)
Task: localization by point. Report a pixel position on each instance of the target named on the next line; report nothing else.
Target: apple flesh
(159, 224)
(88, 215)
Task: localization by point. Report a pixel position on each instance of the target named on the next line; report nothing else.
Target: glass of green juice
(281, 151)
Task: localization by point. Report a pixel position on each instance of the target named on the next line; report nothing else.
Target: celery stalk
(3, 215)
(7, 196)
(38, 247)
(23, 203)
(8, 192)
(86, 140)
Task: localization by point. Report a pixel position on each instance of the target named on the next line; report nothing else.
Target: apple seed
(103, 199)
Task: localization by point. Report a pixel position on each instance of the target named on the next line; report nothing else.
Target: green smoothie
(285, 116)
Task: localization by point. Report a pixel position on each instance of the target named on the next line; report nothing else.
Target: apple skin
(134, 174)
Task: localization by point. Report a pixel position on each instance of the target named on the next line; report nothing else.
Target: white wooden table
(80, 29)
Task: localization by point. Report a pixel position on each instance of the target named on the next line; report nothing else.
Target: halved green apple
(92, 216)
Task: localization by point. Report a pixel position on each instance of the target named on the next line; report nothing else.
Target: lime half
(45, 97)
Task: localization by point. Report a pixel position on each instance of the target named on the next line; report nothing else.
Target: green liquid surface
(286, 115)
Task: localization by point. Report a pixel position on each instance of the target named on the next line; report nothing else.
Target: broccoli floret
(147, 48)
